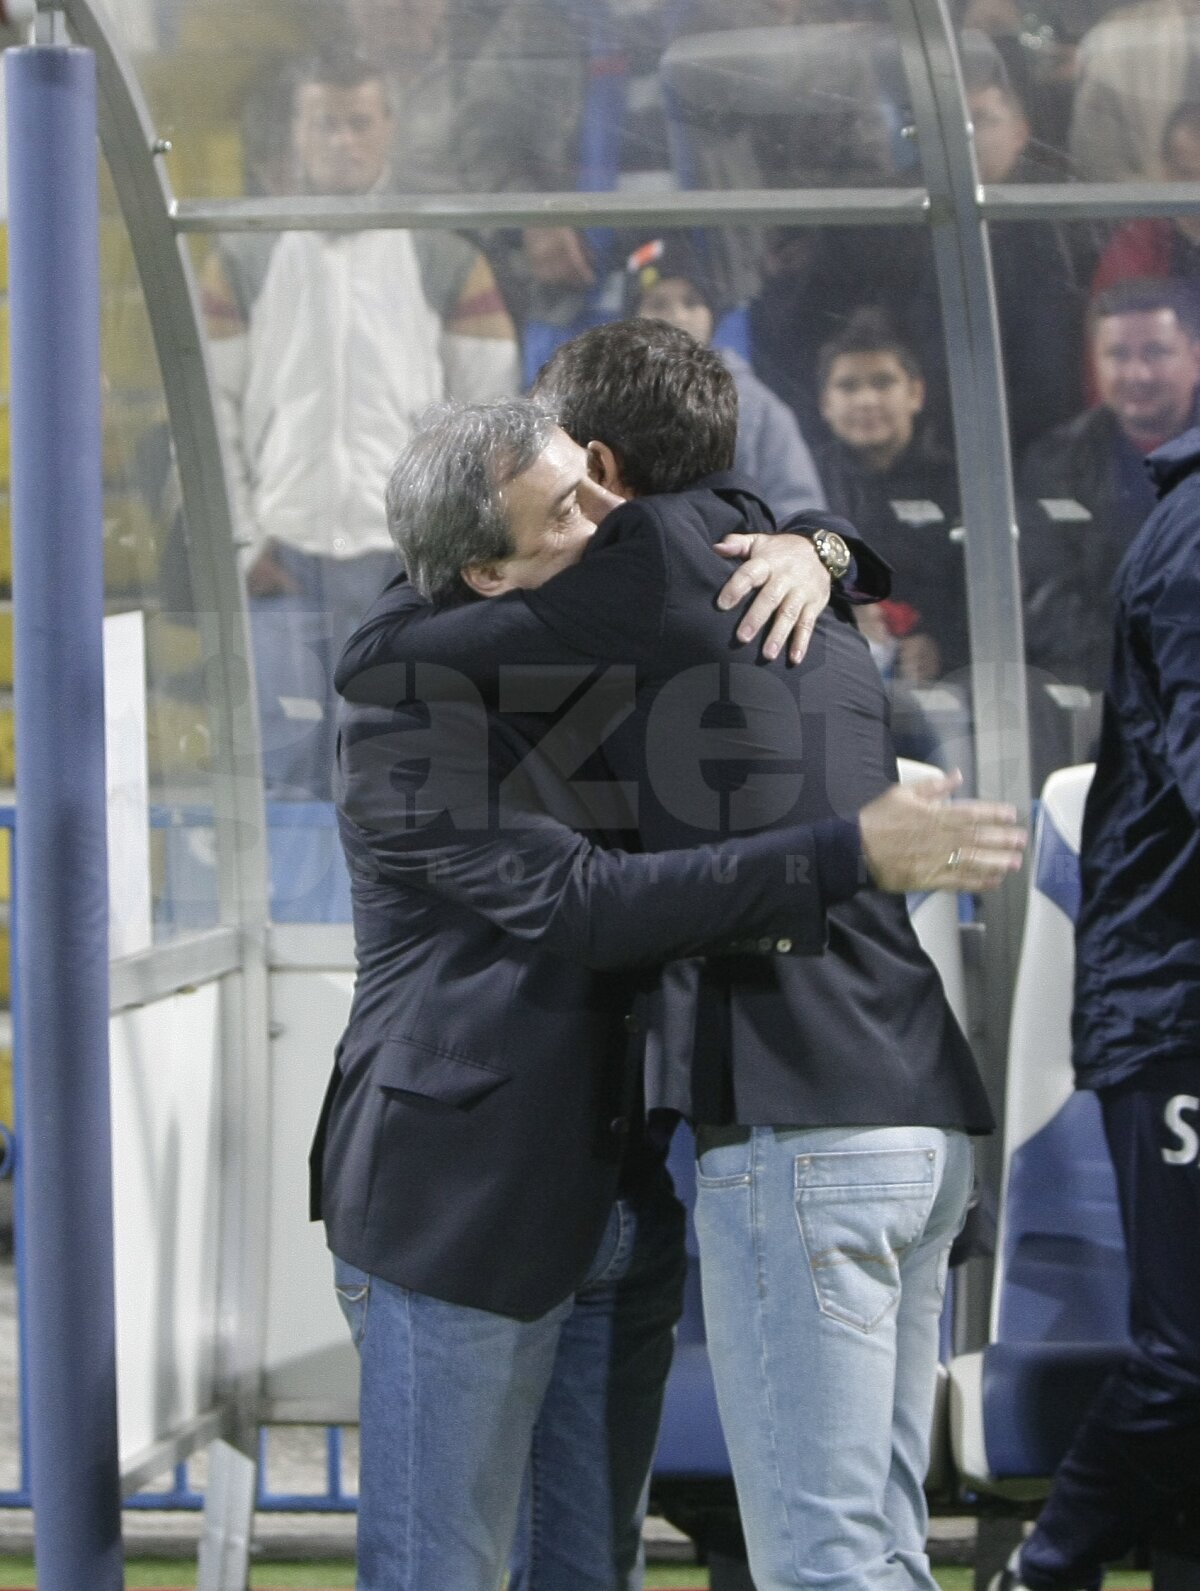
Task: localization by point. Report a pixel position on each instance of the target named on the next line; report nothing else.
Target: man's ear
(604, 469)
(486, 579)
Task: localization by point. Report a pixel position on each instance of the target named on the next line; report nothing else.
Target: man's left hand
(792, 584)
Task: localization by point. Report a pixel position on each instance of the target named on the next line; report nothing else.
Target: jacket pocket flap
(417, 1068)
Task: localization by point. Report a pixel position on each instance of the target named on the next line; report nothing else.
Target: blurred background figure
(1040, 269)
(566, 94)
(1161, 245)
(669, 281)
(1085, 484)
(424, 48)
(320, 380)
(1133, 66)
(887, 472)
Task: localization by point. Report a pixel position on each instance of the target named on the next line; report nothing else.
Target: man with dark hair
(1084, 484)
(840, 1079)
(887, 473)
(320, 376)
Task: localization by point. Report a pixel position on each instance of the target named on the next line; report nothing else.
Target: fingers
(793, 622)
(977, 867)
(986, 846)
(937, 785)
(738, 545)
(802, 634)
(752, 574)
(913, 838)
(772, 599)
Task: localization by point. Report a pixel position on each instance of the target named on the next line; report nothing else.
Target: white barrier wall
(311, 1372)
(165, 1069)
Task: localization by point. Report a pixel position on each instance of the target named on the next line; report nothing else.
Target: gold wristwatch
(833, 552)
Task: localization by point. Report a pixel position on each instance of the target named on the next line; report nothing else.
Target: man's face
(553, 508)
(343, 135)
(1001, 132)
(871, 403)
(1147, 368)
(676, 301)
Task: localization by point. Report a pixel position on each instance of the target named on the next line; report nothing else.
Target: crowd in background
(327, 346)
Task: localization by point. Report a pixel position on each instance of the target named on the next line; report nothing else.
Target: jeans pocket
(859, 1211)
(723, 1157)
(353, 1288)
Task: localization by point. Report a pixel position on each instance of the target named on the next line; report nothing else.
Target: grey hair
(444, 505)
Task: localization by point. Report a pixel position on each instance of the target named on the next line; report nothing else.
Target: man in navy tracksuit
(1134, 1465)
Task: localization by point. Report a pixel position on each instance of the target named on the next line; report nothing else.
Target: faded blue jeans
(823, 1255)
(478, 1430)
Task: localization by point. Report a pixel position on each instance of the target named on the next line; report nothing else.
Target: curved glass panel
(147, 567)
(1082, 488)
(494, 96)
(1088, 91)
(327, 347)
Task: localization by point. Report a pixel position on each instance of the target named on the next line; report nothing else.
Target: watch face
(832, 551)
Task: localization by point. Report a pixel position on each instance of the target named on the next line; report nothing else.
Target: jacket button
(783, 946)
(766, 944)
(619, 1126)
(632, 1025)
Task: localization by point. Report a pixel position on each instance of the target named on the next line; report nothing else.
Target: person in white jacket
(321, 379)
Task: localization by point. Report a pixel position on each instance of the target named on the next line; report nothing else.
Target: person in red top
(1160, 246)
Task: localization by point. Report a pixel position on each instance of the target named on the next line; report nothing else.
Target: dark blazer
(720, 742)
(488, 1080)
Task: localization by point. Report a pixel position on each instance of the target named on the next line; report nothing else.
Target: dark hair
(665, 405)
(445, 508)
(1145, 295)
(868, 331)
(1184, 118)
(338, 66)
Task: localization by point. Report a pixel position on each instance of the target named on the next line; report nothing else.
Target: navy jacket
(716, 742)
(487, 1088)
(1137, 975)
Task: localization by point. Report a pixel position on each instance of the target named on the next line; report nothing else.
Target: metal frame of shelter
(955, 208)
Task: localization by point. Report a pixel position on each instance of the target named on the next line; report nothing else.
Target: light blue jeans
(478, 1430)
(823, 1255)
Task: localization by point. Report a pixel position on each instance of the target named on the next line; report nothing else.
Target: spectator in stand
(886, 471)
(669, 281)
(1039, 289)
(1085, 483)
(320, 380)
(1156, 246)
(566, 94)
(1132, 67)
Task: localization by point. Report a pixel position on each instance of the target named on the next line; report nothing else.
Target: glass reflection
(147, 571)
(326, 347)
(1099, 83)
(1082, 490)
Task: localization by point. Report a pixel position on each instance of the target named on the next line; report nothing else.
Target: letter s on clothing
(1189, 1141)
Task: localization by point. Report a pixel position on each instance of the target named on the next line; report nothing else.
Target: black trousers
(1134, 1464)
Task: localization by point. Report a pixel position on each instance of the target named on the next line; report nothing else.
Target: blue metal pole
(62, 950)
